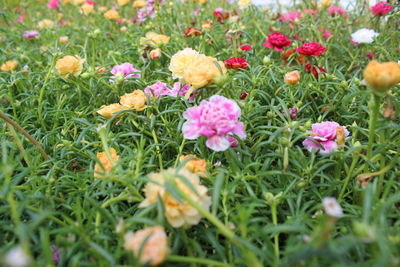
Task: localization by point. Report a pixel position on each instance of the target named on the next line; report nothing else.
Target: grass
(265, 192)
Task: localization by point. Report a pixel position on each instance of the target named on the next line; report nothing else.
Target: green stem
(276, 237)
(347, 179)
(374, 106)
(204, 262)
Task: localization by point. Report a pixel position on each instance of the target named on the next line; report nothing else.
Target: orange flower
(340, 136)
(149, 244)
(109, 111)
(99, 171)
(135, 100)
(139, 4)
(155, 53)
(195, 165)
(382, 76)
(9, 65)
(87, 8)
(112, 14)
(69, 65)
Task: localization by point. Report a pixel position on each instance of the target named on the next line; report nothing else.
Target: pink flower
(246, 47)
(311, 49)
(21, 18)
(382, 8)
(216, 119)
(310, 11)
(53, 4)
(324, 134)
(126, 69)
(30, 34)
(290, 17)
(335, 10)
(158, 89)
(90, 2)
(277, 41)
(326, 34)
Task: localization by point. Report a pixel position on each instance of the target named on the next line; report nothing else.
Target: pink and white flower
(216, 119)
(126, 69)
(324, 134)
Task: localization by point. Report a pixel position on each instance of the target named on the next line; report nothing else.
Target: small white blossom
(16, 257)
(364, 35)
(332, 208)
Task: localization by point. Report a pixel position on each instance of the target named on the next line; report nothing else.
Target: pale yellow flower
(151, 243)
(178, 213)
(63, 39)
(139, 4)
(382, 76)
(122, 2)
(45, 23)
(135, 100)
(112, 14)
(203, 71)
(181, 60)
(77, 2)
(9, 65)
(87, 8)
(152, 38)
(110, 110)
(326, 3)
(244, 3)
(102, 8)
(69, 65)
(99, 171)
(195, 164)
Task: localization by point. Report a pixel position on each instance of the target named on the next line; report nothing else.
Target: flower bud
(267, 61)
(382, 76)
(155, 53)
(292, 77)
(340, 136)
(221, 80)
(364, 231)
(119, 77)
(63, 39)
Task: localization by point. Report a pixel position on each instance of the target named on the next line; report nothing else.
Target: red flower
(246, 47)
(277, 41)
(193, 32)
(311, 49)
(381, 8)
(314, 69)
(220, 16)
(236, 63)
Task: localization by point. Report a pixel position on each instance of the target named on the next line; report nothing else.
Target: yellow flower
(63, 39)
(153, 38)
(123, 2)
(112, 14)
(102, 9)
(244, 3)
(99, 171)
(46, 23)
(178, 212)
(69, 65)
(109, 110)
(87, 8)
(181, 60)
(382, 77)
(135, 100)
(150, 244)
(139, 4)
(9, 65)
(203, 71)
(195, 164)
(326, 3)
(292, 77)
(77, 2)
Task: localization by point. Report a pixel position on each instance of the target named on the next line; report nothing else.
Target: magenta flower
(335, 10)
(324, 134)
(126, 69)
(30, 34)
(158, 89)
(53, 4)
(216, 119)
(381, 8)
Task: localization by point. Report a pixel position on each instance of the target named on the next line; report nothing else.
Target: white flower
(16, 257)
(332, 208)
(364, 35)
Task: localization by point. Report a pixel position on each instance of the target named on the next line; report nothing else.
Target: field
(199, 133)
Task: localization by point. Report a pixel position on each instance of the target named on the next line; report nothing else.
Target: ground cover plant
(199, 133)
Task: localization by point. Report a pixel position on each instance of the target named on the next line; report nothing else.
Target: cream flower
(181, 60)
(151, 243)
(69, 65)
(178, 213)
(152, 38)
(332, 208)
(46, 23)
(87, 8)
(99, 171)
(135, 100)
